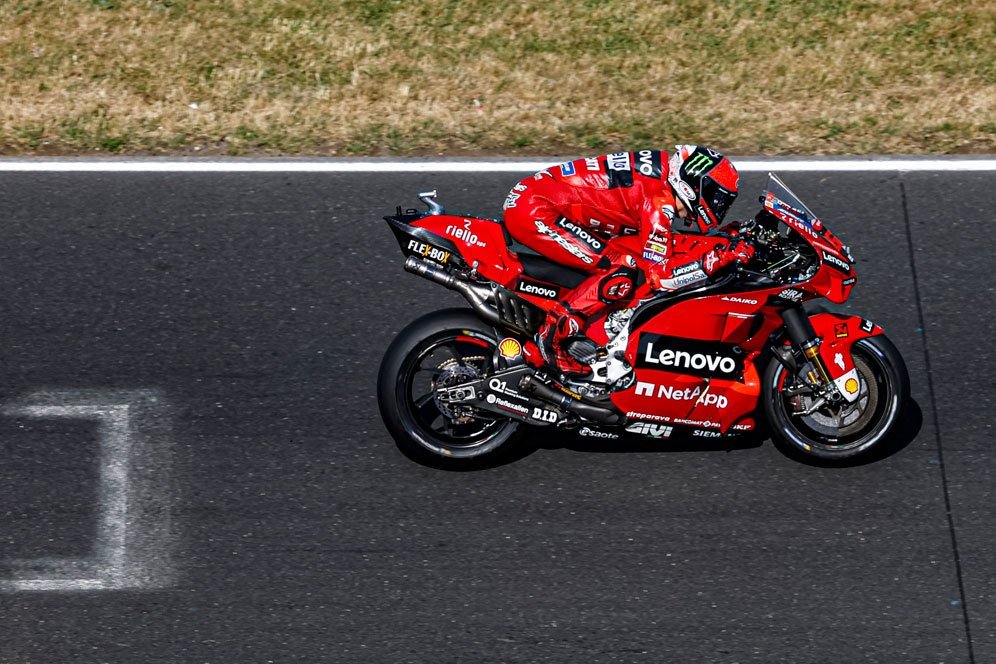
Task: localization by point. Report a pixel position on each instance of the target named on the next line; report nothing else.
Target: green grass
(393, 77)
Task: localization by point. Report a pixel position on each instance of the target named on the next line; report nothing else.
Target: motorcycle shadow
(906, 432)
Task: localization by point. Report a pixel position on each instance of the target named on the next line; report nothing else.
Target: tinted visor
(716, 199)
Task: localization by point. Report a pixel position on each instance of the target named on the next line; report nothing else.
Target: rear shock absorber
(803, 337)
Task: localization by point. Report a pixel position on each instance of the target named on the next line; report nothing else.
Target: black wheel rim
(447, 353)
(847, 427)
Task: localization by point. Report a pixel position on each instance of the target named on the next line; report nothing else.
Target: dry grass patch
(392, 77)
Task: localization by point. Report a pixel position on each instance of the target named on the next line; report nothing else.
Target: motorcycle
(718, 360)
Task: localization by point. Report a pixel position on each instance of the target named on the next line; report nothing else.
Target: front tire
(449, 346)
(847, 432)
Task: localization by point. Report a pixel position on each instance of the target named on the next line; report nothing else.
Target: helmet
(706, 183)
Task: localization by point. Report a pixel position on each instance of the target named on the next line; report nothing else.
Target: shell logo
(851, 386)
(510, 349)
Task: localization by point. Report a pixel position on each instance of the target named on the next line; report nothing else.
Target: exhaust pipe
(477, 299)
(530, 384)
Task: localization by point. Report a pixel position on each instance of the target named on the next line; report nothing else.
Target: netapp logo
(537, 290)
(689, 356)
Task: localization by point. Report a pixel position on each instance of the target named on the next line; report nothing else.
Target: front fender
(839, 332)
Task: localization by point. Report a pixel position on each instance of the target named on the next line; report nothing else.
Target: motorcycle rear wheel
(849, 431)
(443, 347)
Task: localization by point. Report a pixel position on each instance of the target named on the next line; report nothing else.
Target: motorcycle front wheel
(441, 349)
(842, 431)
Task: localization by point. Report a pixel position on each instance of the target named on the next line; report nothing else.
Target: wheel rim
(845, 427)
(447, 358)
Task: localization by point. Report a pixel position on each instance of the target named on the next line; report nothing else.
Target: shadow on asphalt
(907, 431)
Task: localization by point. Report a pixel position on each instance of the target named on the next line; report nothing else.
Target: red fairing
(479, 241)
(835, 277)
(839, 332)
(694, 362)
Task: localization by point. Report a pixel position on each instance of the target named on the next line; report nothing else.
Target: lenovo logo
(537, 290)
(689, 356)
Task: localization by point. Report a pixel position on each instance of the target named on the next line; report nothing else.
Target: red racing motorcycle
(456, 386)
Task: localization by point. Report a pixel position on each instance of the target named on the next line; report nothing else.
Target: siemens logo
(689, 356)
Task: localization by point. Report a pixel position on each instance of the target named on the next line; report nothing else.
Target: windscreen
(778, 197)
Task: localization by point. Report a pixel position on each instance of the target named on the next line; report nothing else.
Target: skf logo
(509, 348)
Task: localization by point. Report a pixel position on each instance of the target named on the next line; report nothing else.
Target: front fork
(804, 338)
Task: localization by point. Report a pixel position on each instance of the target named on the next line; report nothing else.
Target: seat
(540, 267)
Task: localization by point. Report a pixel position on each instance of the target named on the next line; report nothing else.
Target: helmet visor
(716, 198)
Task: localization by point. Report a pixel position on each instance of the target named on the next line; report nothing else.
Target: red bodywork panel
(694, 357)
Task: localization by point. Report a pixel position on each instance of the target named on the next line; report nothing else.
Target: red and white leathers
(580, 213)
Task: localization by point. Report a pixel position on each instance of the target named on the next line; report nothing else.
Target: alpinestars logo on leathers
(689, 356)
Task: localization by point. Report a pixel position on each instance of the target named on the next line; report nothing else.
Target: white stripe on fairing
(746, 165)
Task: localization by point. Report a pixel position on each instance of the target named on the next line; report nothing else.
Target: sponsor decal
(648, 163)
(867, 325)
(510, 201)
(543, 415)
(849, 281)
(619, 170)
(567, 168)
(465, 234)
(710, 261)
(650, 429)
(684, 190)
(595, 433)
(501, 386)
(851, 386)
(791, 294)
(679, 394)
(740, 300)
(566, 244)
(684, 280)
(840, 330)
(537, 289)
(591, 163)
(596, 244)
(836, 262)
(688, 356)
(428, 251)
(838, 359)
(509, 348)
(615, 287)
(696, 423)
(648, 416)
(707, 434)
(502, 404)
(685, 269)
(618, 161)
(698, 164)
(545, 172)
(743, 427)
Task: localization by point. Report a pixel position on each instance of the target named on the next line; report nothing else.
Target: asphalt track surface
(255, 309)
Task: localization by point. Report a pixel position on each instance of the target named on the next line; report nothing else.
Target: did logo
(689, 356)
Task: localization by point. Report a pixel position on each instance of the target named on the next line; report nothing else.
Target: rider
(616, 216)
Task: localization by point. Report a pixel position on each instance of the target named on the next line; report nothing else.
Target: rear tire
(856, 431)
(448, 345)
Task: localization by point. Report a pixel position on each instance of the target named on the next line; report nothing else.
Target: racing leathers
(613, 217)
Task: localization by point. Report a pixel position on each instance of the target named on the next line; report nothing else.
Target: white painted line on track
(745, 165)
(132, 542)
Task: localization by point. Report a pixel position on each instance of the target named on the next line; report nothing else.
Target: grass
(489, 76)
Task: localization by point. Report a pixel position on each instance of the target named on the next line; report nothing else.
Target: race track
(225, 330)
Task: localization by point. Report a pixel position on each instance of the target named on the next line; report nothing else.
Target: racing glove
(738, 250)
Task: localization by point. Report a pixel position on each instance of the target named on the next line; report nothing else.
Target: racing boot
(563, 346)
